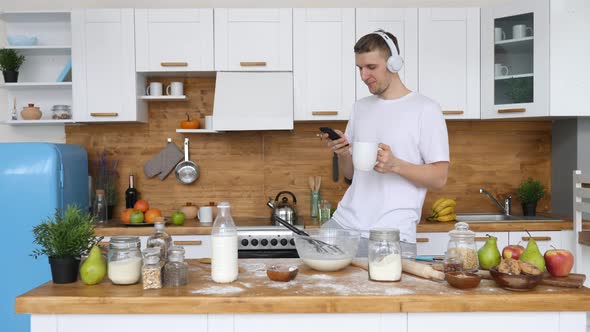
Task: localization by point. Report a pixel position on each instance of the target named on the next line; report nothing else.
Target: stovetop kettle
(283, 208)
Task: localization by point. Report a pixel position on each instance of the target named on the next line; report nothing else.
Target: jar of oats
(462, 247)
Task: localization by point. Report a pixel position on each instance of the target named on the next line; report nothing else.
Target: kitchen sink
(497, 217)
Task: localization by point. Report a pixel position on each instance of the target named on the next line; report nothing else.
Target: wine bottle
(131, 194)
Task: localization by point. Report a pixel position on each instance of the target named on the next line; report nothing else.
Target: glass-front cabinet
(515, 60)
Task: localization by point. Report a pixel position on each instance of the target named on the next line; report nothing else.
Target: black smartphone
(331, 133)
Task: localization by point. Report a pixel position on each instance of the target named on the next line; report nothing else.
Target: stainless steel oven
(266, 242)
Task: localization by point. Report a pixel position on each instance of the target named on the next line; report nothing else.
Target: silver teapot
(283, 209)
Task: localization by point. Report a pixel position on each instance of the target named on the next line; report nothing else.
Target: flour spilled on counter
(219, 290)
(321, 277)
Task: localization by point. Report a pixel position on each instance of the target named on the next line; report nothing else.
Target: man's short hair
(373, 42)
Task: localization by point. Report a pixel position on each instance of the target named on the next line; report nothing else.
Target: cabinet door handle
(104, 114)
(512, 110)
(188, 243)
(453, 112)
(481, 238)
(422, 240)
(253, 63)
(324, 113)
(103, 243)
(174, 64)
(537, 238)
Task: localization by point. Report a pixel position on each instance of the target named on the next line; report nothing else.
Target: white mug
(175, 89)
(364, 155)
(519, 31)
(205, 214)
(154, 89)
(499, 34)
(500, 70)
(208, 121)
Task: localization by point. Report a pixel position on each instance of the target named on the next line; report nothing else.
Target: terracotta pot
(31, 113)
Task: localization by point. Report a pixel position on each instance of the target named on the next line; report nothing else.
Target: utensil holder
(314, 202)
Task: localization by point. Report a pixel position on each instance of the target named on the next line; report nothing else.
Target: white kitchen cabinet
(449, 60)
(40, 79)
(323, 63)
(432, 243)
(253, 39)
(537, 65)
(174, 39)
(403, 24)
(105, 86)
(501, 242)
(195, 246)
(544, 239)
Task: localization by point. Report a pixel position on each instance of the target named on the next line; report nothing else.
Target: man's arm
(432, 176)
(341, 148)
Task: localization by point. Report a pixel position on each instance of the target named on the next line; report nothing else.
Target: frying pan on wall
(187, 171)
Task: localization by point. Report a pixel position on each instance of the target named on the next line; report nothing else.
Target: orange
(141, 205)
(126, 215)
(152, 214)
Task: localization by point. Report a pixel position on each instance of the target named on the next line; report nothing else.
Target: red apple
(512, 251)
(559, 262)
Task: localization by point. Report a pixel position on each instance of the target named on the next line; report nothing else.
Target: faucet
(506, 208)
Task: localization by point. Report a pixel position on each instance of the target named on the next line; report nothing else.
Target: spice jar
(175, 270)
(152, 271)
(124, 261)
(462, 246)
(385, 260)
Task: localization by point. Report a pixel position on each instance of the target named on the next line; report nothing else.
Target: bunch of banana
(443, 210)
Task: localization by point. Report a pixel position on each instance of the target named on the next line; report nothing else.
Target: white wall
(56, 133)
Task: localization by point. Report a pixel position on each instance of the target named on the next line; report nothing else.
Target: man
(413, 151)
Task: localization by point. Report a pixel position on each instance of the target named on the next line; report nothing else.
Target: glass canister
(124, 261)
(462, 247)
(151, 272)
(385, 260)
(176, 269)
(160, 239)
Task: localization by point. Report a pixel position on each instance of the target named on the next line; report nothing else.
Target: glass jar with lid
(175, 270)
(385, 260)
(160, 239)
(462, 247)
(124, 260)
(151, 272)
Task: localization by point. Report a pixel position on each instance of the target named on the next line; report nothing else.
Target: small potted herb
(64, 239)
(530, 192)
(10, 62)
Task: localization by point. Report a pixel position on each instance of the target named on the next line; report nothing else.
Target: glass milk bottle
(224, 243)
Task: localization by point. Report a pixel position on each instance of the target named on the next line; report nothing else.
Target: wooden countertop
(346, 291)
(194, 227)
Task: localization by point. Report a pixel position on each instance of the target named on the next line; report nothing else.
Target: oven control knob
(254, 242)
(284, 242)
(273, 242)
(244, 242)
(292, 242)
(264, 242)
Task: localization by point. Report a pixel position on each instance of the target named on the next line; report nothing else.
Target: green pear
(94, 268)
(531, 254)
(489, 255)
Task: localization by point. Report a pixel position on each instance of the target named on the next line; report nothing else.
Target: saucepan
(187, 171)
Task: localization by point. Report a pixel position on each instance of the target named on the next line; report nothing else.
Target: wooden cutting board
(573, 280)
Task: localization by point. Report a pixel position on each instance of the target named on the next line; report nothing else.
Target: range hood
(253, 101)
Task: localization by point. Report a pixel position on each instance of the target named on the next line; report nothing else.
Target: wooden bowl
(463, 280)
(281, 272)
(520, 283)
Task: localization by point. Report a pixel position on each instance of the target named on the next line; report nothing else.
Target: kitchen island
(328, 301)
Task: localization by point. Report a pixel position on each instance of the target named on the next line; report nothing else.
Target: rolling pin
(412, 267)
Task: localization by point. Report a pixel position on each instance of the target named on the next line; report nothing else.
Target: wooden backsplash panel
(245, 168)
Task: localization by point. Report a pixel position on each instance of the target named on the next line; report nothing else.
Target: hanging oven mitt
(171, 155)
(153, 166)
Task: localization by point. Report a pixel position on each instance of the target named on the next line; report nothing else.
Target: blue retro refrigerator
(35, 180)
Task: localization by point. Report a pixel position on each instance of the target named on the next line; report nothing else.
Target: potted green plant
(10, 62)
(64, 239)
(530, 192)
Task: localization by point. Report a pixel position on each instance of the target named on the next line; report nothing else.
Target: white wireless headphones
(395, 61)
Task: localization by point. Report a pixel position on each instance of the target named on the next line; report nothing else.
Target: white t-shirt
(414, 128)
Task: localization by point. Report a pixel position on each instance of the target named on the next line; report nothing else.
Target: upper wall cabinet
(253, 39)
(403, 24)
(174, 40)
(449, 60)
(535, 59)
(105, 84)
(323, 63)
